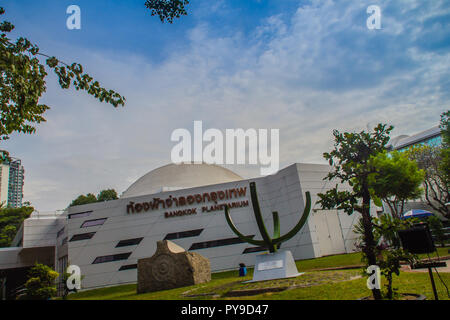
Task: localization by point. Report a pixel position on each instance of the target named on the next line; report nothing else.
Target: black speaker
(417, 239)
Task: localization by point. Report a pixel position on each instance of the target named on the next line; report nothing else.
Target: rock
(171, 267)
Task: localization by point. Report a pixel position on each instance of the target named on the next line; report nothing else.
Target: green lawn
(350, 259)
(313, 285)
(351, 290)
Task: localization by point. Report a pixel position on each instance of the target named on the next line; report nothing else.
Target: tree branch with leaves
(167, 10)
(22, 83)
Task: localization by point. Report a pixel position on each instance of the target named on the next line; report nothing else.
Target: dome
(396, 140)
(179, 176)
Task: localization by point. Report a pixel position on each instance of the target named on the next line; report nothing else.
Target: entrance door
(329, 232)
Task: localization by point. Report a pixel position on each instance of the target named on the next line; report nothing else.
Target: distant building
(11, 181)
(16, 181)
(4, 183)
(431, 137)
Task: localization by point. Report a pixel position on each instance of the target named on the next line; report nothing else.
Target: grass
(313, 285)
(355, 289)
(350, 259)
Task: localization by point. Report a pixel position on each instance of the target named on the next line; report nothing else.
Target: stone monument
(171, 267)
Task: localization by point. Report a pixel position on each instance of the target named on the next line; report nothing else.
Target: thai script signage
(174, 205)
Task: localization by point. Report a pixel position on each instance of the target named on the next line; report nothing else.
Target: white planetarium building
(185, 204)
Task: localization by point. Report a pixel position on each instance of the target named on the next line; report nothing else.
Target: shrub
(40, 284)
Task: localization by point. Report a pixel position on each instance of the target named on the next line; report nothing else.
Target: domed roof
(179, 176)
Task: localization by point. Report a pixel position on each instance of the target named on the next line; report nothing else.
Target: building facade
(16, 182)
(430, 137)
(4, 183)
(12, 178)
(185, 204)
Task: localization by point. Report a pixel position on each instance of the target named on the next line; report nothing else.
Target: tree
(4, 156)
(445, 149)
(167, 9)
(83, 199)
(22, 83)
(389, 251)
(106, 195)
(40, 284)
(10, 221)
(436, 187)
(437, 229)
(351, 160)
(396, 179)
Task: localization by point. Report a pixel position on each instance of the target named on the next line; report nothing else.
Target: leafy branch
(167, 9)
(22, 83)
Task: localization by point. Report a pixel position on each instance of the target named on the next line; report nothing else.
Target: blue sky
(304, 67)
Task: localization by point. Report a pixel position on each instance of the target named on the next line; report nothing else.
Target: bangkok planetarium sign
(176, 206)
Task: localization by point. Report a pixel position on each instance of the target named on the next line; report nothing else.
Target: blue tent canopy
(416, 213)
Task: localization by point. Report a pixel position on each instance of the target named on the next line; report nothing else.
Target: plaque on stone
(171, 267)
(276, 265)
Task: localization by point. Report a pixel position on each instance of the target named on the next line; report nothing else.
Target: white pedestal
(276, 265)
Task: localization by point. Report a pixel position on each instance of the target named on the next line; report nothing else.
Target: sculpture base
(276, 265)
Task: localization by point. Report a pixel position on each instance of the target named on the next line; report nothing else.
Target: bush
(40, 284)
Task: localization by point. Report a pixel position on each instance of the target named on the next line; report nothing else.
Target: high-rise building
(4, 183)
(16, 181)
(11, 181)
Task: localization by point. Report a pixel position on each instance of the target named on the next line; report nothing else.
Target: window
(62, 266)
(79, 215)
(128, 267)
(82, 236)
(254, 249)
(183, 234)
(216, 243)
(95, 222)
(112, 257)
(129, 242)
